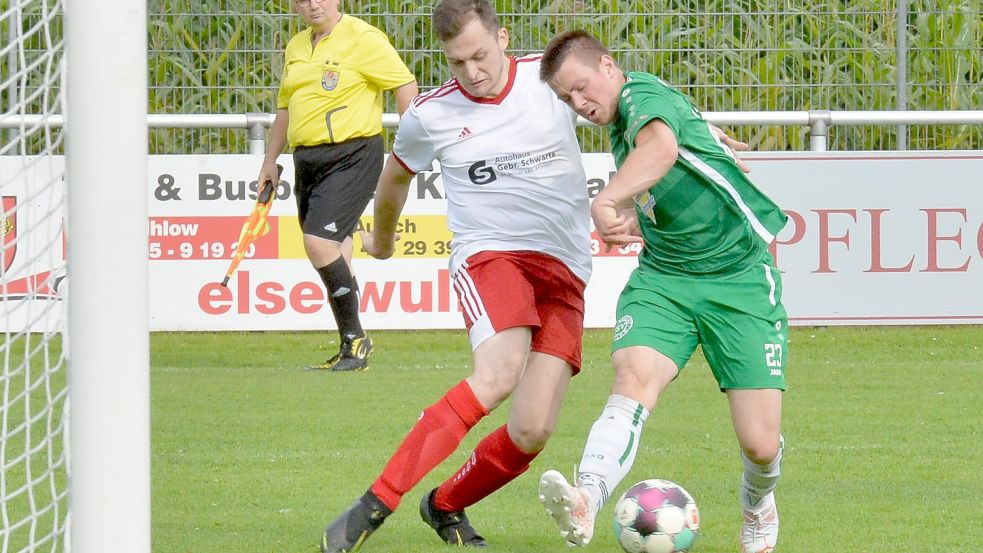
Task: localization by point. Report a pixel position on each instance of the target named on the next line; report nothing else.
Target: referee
(329, 110)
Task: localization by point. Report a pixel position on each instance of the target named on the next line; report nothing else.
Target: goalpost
(74, 409)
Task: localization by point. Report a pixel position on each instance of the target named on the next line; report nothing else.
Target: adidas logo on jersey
(330, 227)
(465, 133)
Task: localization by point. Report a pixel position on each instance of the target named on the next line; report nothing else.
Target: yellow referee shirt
(333, 91)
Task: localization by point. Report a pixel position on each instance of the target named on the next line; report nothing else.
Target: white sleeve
(413, 146)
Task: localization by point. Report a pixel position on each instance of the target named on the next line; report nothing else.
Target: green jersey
(704, 217)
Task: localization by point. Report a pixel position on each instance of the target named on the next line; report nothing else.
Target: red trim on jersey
(529, 57)
(439, 92)
(454, 85)
(501, 95)
(403, 163)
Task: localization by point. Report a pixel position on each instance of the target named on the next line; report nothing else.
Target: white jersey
(511, 167)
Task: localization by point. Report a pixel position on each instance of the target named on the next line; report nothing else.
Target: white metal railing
(818, 121)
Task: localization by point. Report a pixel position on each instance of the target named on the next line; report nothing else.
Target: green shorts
(738, 319)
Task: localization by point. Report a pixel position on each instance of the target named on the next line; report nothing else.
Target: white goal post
(109, 381)
(74, 392)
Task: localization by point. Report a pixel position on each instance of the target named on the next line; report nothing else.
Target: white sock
(611, 447)
(760, 480)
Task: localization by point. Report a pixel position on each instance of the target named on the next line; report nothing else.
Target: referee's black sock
(342, 296)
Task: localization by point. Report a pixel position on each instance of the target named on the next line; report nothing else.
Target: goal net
(33, 407)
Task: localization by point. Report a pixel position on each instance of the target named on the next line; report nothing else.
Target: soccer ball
(656, 516)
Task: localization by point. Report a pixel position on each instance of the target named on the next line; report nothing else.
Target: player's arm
(613, 211)
(390, 197)
(404, 95)
(733, 144)
(274, 147)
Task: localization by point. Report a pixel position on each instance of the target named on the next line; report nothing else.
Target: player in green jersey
(705, 277)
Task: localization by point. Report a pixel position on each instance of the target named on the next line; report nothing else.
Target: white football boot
(760, 531)
(569, 506)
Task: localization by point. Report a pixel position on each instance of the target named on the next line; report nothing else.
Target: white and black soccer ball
(656, 516)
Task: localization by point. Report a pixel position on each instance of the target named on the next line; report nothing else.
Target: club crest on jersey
(329, 79)
(8, 231)
(646, 203)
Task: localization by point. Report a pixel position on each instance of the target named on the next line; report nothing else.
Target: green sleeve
(641, 102)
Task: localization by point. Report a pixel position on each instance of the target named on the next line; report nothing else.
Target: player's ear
(503, 38)
(607, 65)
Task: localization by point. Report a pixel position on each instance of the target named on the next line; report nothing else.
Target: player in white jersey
(518, 208)
(512, 174)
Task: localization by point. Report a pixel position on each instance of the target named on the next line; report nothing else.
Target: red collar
(501, 95)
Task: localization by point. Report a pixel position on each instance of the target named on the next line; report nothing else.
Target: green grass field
(252, 454)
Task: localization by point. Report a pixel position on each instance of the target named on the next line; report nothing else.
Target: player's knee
(640, 384)
(762, 451)
(530, 436)
(493, 385)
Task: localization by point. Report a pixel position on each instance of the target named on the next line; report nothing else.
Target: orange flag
(256, 225)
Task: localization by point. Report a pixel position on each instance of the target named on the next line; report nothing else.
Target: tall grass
(747, 55)
(31, 53)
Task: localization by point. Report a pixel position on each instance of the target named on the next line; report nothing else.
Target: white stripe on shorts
(468, 293)
(771, 283)
(481, 326)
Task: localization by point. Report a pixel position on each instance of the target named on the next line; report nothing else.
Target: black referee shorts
(334, 183)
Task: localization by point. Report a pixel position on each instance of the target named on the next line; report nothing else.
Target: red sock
(496, 461)
(432, 439)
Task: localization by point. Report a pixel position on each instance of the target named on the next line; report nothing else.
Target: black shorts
(334, 183)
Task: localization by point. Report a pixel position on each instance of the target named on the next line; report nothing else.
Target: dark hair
(450, 16)
(577, 42)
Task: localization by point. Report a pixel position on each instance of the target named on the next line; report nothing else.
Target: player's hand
(631, 216)
(377, 246)
(734, 145)
(616, 225)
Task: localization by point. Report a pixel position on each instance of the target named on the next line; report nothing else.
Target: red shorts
(503, 289)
